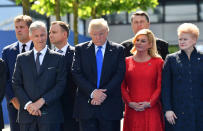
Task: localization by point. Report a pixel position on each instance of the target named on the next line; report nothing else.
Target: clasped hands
(139, 106)
(98, 96)
(34, 108)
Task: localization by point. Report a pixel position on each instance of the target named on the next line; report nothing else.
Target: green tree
(88, 8)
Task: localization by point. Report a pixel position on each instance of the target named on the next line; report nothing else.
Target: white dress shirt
(27, 47)
(64, 49)
(41, 57)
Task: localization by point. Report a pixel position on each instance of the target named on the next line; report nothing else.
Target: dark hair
(27, 19)
(140, 13)
(63, 25)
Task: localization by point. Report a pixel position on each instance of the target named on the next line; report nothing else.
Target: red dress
(143, 83)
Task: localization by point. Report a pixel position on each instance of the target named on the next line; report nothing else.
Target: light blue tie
(99, 58)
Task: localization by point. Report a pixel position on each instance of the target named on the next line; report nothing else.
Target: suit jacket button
(182, 113)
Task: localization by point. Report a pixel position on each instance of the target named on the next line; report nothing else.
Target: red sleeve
(156, 95)
(124, 88)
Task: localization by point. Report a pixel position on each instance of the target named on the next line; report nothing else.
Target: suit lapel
(92, 57)
(45, 62)
(107, 57)
(16, 49)
(33, 65)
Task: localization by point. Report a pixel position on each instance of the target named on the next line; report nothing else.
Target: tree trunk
(75, 21)
(26, 7)
(57, 10)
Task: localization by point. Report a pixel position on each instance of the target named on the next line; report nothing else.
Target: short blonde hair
(36, 25)
(27, 19)
(188, 28)
(153, 50)
(96, 24)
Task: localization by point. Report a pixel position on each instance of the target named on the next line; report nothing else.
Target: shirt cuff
(25, 107)
(91, 95)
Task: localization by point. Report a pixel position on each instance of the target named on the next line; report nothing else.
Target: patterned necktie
(23, 49)
(99, 58)
(37, 62)
(60, 51)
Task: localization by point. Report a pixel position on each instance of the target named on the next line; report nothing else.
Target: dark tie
(60, 51)
(37, 62)
(99, 58)
(23, 49)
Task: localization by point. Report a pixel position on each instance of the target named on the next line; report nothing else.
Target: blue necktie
(99, 58)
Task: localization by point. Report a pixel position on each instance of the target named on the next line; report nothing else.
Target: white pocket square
(49, 68)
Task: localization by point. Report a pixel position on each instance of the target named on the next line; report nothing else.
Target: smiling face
(39, 38)
(142, 43)
(186, 41)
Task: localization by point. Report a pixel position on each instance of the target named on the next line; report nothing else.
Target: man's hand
(15, 103)
(34, 108)
(99, 95)
(171, 116)
(95, 102)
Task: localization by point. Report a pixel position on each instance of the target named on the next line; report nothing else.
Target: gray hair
(36, 25)
(96, 24)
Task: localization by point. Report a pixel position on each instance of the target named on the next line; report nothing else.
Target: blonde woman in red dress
(141, 87)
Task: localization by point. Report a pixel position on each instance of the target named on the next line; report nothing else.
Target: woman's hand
(145, 104)
(136, 106)
(171, 116)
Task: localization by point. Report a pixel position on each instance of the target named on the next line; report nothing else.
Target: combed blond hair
(188, 28)
(27, 19)
(152, 40)
(97, 24)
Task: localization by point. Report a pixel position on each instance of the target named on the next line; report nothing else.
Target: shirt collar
(28, 44)
(43, 51)
(103, 46)
(63, 49)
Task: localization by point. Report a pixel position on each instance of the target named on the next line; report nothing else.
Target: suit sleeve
(82, 83)
(125, 92)
(166, 85)
(17, 82)
(2, 79)
(9, 93)
(118, 76)
(156, 95)
(56, 92)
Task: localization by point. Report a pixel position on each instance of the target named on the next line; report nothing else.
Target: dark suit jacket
(2, 89)
(84, 71)
(68, 96)
(182, 90)
(162, 47)
(48, 84)
(9, 55)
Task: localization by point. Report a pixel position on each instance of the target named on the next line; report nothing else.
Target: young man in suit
(140, 20)
(98, 70)
(2, 89)
(9, 54)
(39, 80)
(58, 34)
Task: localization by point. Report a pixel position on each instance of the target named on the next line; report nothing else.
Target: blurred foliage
(173, 48)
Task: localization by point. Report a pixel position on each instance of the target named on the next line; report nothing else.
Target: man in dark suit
(39, 79)
(58, 35)
(140, 20)
(2, 89)
(9, 54)
(98, 70)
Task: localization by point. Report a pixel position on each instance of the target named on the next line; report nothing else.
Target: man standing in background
(58, 34)
(9, 54)
(140, 20)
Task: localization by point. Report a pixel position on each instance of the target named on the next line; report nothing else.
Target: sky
(7, 15)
